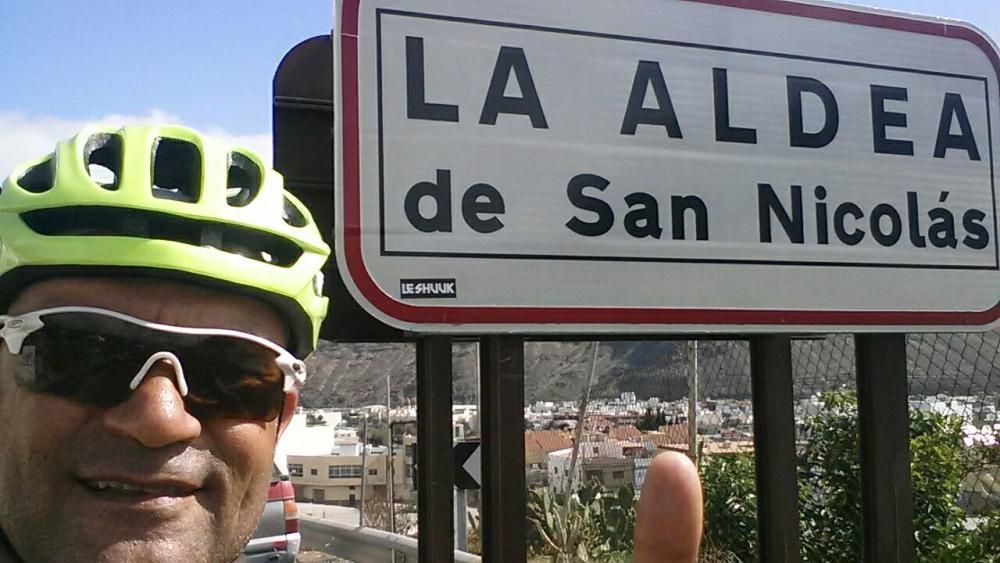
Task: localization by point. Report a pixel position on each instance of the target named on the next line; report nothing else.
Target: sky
(205, 64)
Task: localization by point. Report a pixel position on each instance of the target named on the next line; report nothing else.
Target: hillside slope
(346, 375)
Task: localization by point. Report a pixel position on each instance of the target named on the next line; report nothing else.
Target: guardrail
(368, 544)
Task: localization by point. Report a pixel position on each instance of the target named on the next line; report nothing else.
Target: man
(159, 291)
(125, 438)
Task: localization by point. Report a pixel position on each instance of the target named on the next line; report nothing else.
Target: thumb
(668, 521)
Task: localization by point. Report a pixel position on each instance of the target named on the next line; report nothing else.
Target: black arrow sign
(468, 473)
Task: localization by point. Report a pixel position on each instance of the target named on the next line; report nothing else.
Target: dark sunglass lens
(258, 407)
(86, 367)
(232, 378)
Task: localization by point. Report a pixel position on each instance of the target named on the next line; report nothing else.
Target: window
(373, 471)
(313, 471)
(344, 471)
(617, 474)
(295, 469)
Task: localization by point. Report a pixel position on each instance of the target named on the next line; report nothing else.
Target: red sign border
(350, 228)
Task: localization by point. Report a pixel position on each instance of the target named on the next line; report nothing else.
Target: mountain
(353, 374)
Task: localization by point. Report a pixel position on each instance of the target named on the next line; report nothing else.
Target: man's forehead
(167, 302)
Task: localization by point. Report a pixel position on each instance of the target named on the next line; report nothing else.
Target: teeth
(116, 486)
(125, 487)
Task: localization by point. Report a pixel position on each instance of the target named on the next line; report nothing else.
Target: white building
(558, 463)
(605, 462)
(303, 439)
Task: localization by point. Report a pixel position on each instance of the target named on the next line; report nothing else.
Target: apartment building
(611, 471)
(338, 479)
(328, 464)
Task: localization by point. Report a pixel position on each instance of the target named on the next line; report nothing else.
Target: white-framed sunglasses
(99, 356)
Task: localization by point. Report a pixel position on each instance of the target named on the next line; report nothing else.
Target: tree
(315, 419)
(651, 420)
(378, 434)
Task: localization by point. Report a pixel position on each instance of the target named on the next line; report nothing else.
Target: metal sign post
(884, 427)
(468, 476)
(461, 520)
(435, 476)
(774, 448)
(504, 496)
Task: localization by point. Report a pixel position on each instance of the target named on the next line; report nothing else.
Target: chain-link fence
(954, 395)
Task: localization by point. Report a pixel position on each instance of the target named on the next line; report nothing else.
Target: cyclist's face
(143, 480)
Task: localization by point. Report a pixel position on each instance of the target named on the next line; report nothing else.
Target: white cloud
(260, 144)
(24, 137)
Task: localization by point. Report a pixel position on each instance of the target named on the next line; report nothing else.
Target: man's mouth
(113, 489)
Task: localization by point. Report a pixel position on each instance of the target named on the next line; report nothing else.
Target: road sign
(665, 166)
(468, 465)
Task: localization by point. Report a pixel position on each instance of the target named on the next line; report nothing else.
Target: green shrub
(731, 504)
(829, 470)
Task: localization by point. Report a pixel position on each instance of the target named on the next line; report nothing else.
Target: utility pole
(364, 469)
(389, 470)
(578, 435)
(693, 401)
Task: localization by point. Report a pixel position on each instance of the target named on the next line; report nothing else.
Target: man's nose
(154, 413)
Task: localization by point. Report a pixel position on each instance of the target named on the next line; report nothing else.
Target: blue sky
(205, 64)
(209, 63)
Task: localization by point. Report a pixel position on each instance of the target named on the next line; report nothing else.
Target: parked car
(277, 538)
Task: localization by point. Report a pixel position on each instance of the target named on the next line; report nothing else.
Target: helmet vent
(103, 156)
(292, 215)
(176, 170)
(136, 223)
(243, 180)
(39, 178)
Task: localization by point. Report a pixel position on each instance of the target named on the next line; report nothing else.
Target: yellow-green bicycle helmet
(166, 202)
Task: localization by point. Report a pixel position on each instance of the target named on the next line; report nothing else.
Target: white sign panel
(665, 166)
